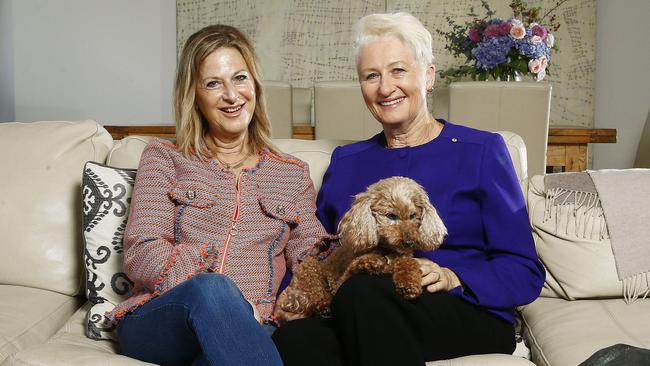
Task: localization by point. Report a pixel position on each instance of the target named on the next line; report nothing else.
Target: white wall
(622, 95)
(111, 61)
(6, 62)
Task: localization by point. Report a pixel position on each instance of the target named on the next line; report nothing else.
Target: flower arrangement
(502, 49)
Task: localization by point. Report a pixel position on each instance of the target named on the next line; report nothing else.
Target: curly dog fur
(379, 234)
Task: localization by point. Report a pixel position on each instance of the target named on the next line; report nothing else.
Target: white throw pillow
(106, 196)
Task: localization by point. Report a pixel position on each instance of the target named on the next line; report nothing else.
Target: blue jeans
(202, 321)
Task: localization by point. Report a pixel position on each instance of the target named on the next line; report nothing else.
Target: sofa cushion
(316, 153)
(483, 360)
(70, 347)
(127, 151)
(106, 196)
(41, 164)
(30, 316)
(578, 259)
(562, 332)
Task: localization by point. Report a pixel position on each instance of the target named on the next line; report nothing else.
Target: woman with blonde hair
(486, 266)
(215, 220)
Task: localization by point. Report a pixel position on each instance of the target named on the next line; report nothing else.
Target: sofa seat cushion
(562, 332)
(70, 347)
(484, 360)
(29, 316)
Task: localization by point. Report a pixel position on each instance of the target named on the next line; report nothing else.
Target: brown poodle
(379, 234)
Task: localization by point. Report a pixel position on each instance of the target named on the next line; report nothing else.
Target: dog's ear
(432, 230)
(358, 227)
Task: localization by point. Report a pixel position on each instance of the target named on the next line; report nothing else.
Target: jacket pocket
(192, 196)
(197, 199)
(281, 210)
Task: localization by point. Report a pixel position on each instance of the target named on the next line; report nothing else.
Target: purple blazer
(471, 181)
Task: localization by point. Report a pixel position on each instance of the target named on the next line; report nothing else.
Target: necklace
(231, 166)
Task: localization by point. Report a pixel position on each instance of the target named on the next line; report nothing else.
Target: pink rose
(517, 31)
(535, 39)
(491, 31)
(543, 62)
(504, 28)
(539, 30)
(534, 66)
(550, 40)
(474, 35)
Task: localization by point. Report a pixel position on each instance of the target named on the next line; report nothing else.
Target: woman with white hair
(486, 266)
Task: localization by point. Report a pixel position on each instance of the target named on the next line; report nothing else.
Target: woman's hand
(280, 316)
(436, 278)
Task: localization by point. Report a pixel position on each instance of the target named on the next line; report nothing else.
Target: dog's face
(395, 214)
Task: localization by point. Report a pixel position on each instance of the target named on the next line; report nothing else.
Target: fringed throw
(605, 204)
(625, 198)
(572, 201)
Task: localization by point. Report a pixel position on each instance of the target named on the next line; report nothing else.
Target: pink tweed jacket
(189, 216)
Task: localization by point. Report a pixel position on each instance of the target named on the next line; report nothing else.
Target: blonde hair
(191, 126)
(403, 26)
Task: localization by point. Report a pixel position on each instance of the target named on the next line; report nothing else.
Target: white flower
(550, 40)
(535, 39)
(517, 31)
(515, 21)
(543, 62)
(534, 66)
(541, 75)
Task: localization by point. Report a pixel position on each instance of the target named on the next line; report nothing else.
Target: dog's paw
(408, 290)
(407, 277)
(372, 263)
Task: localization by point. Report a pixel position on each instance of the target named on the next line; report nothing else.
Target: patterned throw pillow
(106, 195)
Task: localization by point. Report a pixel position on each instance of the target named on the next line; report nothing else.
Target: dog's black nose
(408, 243)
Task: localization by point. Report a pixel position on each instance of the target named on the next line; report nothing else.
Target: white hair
(403, 26)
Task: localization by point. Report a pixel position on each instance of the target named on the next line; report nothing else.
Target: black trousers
(373, 325)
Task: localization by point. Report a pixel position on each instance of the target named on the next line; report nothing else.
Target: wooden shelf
(120, 132)
(567, 149)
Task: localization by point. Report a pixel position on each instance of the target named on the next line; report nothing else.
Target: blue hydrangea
(492, 52)
(527, 49)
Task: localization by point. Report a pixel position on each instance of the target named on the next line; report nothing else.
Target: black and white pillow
(106, 195)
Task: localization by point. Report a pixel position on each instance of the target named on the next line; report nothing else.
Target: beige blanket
(612, 204)
(625, 199)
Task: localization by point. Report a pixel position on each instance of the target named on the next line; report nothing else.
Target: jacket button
(279, 210)
(190, 194)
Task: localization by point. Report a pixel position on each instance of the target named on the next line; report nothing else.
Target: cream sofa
(42, 304)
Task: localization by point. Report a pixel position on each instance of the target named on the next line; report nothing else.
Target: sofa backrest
(126, 153)
(40, 195)
(40, 213)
